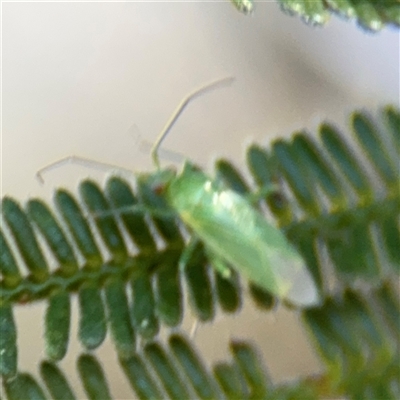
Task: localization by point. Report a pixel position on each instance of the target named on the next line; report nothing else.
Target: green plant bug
(231, 229)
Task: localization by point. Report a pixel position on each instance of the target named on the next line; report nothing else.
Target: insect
(231, 229)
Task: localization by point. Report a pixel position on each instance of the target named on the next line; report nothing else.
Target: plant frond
(338, 201)
(371, 15)
(173, 371)
(147, 274)
(357, 337)
(335, 196)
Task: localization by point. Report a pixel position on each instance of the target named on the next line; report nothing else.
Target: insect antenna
(170, 123)
(146, 146)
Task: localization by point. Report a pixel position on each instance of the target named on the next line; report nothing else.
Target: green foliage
(338, 203)
(372, 15)
(359, 344)
(179, 373)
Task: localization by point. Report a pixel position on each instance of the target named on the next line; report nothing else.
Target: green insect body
(234, 232)
(244, 6)
(231, 229)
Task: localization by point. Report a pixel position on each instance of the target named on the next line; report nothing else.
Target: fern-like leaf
(175, 371)
(338, 203)
(371, 15)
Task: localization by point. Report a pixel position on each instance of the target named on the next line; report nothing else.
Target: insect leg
(194, 328)
(188, 252)
(136, 208)
(86, 162)
(219, 264)
(261, 193)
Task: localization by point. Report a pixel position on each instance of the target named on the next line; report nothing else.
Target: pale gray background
(77, 76)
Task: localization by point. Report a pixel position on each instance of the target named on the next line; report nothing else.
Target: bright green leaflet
(244, 6)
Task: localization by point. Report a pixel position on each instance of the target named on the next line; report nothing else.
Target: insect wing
(231, 228)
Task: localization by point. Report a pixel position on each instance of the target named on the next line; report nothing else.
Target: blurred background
(77, 76)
